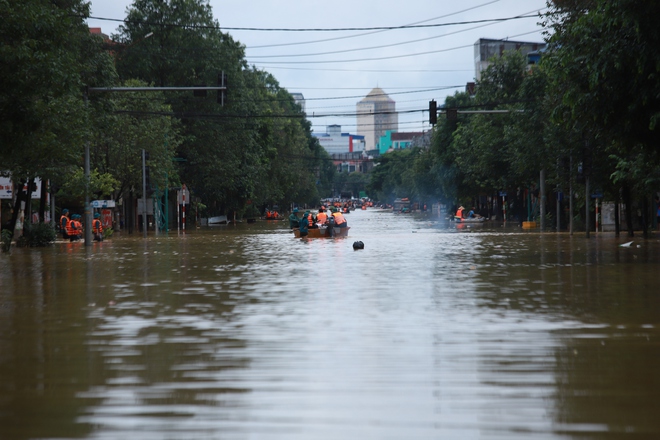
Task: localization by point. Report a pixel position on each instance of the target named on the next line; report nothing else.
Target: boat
(322, 232)
(470, 219)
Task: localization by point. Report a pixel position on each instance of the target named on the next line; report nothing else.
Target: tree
(47, 57)
(255, 149)
(603, 63)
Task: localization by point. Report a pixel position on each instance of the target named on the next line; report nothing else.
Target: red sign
(106, 218)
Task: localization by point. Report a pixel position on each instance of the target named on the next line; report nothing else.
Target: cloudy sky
(335, 68)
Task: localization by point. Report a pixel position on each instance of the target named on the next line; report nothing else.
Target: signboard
(103, 203)
(182, 195)
(502, 193)
(150, 207)
(597, 196)
(106, 218)
(6, 188)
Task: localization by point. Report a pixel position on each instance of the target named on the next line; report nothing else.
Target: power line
(369, 33)
(254, 29)
(388, 57)
(385, 46)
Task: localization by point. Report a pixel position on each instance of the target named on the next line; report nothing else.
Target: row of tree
(255, 150)
(585, 119)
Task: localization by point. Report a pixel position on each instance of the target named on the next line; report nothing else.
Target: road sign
(103, 203)
(597, 196)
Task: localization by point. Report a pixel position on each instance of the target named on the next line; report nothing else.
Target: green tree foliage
(604, 65)
(47, 57)
(393, 176)
(254, 150)
(126, 123)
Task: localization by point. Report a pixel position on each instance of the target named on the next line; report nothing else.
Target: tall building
(485, 49)
(376, 114)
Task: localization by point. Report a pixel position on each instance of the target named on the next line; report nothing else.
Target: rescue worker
(64, 223)
(340, 221)
(293, 219)
(303, 226)
(459, 212)
(75, 228)
(321, 217)
(311, 220)
(97, 227)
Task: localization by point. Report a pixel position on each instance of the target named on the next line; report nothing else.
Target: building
(397, 141)
(485, 49)
(376, 113)
(336, 142)
(300, 100)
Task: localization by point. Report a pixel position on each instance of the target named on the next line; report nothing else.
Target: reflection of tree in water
(610, 380)
(604, 301)
(43, 355)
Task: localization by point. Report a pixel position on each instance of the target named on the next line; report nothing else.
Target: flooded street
(244, 332)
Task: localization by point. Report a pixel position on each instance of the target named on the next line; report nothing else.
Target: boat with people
(470, 220)
(471, 217)
(323, 232)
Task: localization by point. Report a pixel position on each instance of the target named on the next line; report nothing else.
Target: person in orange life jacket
(459, 212)
(340, 221)
(71, 228)
(75, 229)
(321, 217)
(79, 226)
(311, 220)
(275, 215)
(64, 223)
(97, 227)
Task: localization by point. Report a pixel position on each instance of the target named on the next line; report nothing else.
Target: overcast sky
(335, 69)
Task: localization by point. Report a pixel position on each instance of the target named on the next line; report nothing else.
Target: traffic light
(222, 94)
(433, 112)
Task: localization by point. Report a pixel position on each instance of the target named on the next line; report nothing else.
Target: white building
(485, 49)
(336, 142)
(300, 100)
(376, 114)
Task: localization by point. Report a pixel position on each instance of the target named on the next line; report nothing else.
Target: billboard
(6, 190)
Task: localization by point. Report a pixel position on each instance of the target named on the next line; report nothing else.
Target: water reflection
(247, 332)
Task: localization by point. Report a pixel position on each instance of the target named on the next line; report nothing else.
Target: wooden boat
(470, 220)
(322, 232)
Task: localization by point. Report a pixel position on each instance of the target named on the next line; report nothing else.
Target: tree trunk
(627, 200)
(42, 201)
(617, 223)
(645, 216)
(17, 206)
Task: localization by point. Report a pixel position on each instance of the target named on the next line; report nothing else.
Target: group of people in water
(271, 214)
(71, 226)
(324, 218)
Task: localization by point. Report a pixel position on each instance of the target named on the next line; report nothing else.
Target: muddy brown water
(244, 332)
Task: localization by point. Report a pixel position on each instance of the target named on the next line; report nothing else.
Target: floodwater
(244, 332)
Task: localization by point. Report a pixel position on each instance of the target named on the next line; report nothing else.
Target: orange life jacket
(64, 223)
(71, 228)
(97, 227)
(339, 219)
(459, 213)
(321, 217)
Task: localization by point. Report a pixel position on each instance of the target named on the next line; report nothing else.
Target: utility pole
(144, 193)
